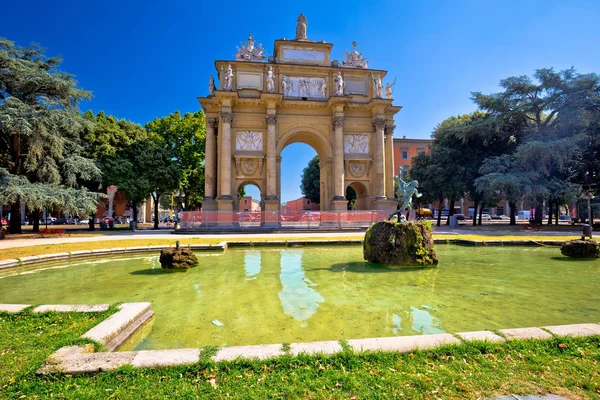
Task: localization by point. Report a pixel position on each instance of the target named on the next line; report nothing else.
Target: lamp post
(587, 193)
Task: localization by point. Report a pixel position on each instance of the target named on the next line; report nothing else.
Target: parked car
(486, 217)
(4, 222)
(424, 212)
(85, 221)
(524, 215)
(60, 221)
(49, 221)
(460, 217)
(564, 218)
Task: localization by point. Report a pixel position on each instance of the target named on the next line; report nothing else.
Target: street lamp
(587, 193)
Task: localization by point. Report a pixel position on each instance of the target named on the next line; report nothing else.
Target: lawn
(570, 367)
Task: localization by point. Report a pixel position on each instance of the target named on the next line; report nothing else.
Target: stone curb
(108, 329)
(75, 359)
(13, 308)
(72, 308)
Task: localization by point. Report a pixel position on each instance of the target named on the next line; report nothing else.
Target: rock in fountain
(396, 241)
(178, 258)
(581, 248)
(400, 243)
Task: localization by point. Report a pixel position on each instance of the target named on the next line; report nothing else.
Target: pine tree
(40, 148)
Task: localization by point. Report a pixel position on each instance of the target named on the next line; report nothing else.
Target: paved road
(166, 234)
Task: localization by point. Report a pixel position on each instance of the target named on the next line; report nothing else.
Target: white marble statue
(323, 88)
(388, 90)
(339, 84)
(301, 28)
(250, 52)
(270, 80)
(354, 59)
(228, 79)
(286, 85)
(378, 87)
(211, 86)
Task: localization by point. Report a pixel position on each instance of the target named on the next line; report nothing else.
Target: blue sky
(146, 59)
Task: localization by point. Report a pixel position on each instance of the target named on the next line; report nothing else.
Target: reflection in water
(424, 323)
(252, 264)
(298, 299)
(397, 321)
(198, 291)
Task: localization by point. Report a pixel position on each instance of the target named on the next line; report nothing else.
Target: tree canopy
(310, 185)
(184, 136)
(41, 154)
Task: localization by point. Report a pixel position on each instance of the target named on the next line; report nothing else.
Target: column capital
(389, 129)
(271, 119)
(212, 122)
(226, 117)
(337, 122)
(379, 123)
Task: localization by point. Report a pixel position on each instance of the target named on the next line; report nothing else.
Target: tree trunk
(92, 222)
(475, 207)
(481, 212)
(550, 210)
(556, 212)
(155, 198)
(439, 216)
(539, 211)
(450, 212)
(135, 214)
(14, 225)
(512, 205)
(35, 215)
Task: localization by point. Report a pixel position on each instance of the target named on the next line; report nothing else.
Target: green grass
(570, 367)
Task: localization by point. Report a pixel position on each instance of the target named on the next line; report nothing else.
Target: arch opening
(357, 196)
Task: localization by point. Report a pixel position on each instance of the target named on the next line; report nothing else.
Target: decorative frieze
(356, 144)
(304, 87)
(357, 169)
(271, 119)
(249, 166)
(337, 122)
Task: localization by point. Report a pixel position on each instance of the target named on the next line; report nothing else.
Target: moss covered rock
(178, 258)
(400, 243)
(581, 248)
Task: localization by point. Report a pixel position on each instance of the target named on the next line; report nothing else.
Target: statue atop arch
(301, 28)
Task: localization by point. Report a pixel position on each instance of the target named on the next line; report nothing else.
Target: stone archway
(248, 182)
(362, 195)
(319, 141)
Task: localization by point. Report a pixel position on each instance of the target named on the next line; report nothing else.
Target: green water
(318, 293)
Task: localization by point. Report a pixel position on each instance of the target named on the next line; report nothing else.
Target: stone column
(389, 160)
(379, 154)
(338, 158)
(271, 157)
(226, 119)
(271, 202)
(210, 154)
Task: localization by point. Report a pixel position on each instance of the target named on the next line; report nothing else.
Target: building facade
(298, 95)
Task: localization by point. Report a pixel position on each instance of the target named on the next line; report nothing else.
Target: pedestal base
(385, 205)
(225, 217)
(271, 214)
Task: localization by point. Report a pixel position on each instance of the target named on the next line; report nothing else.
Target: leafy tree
(141, 170)
(185, 137)
(310, 186)
(103, 137)
(552, 114)
(41, 153)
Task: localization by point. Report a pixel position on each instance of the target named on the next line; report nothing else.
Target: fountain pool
(276, 295)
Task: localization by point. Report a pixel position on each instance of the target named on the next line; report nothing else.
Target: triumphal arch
(299, 94)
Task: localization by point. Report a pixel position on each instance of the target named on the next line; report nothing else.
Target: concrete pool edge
(117, 328)
(222, 246)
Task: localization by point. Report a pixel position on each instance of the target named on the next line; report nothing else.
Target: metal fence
(217, 220)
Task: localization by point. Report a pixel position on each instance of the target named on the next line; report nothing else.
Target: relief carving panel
(249, 141)
(356, 144)
(304, 87)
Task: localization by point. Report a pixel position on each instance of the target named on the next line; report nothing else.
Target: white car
(84, 221)
(486, 217)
